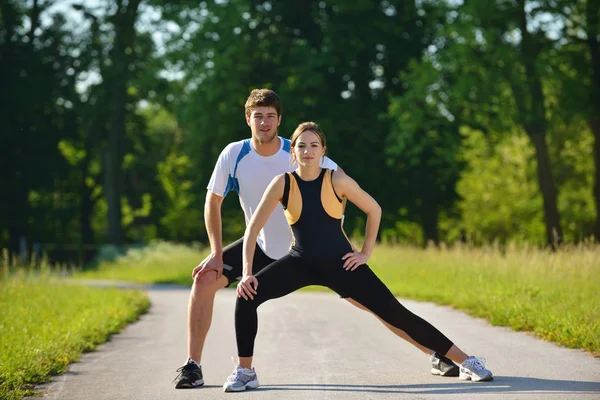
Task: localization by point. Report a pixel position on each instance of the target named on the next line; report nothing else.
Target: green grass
(160, 262)
(46, 323)
(554, 295)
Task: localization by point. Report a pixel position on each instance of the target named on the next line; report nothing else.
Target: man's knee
(208, 283)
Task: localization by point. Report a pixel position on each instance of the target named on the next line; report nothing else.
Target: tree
(34, 60)
(495, 41)
(422, 147)
(301, 51)
(117, 78)
(579, 50)
(592, 15)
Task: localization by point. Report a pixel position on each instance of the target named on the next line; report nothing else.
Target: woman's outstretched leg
(364, 287)
(440, 364)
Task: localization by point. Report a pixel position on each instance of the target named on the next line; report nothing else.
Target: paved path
(316, 346)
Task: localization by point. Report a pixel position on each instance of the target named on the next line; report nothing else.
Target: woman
(321, 254)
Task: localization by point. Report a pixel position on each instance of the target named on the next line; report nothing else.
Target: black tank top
(314, 212)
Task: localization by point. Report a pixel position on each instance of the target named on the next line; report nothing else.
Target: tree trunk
(9, 165)
(113, 160)
(86, 206)
(533, 117)
(14, 239)
(35, 19)
(429, 221)
(595, 126)
(593, 29)
(17, 227)
(546, 182)
(119, 75)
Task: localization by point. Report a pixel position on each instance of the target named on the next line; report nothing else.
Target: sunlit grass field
(46, 323)
(160, 262)
(554, 295)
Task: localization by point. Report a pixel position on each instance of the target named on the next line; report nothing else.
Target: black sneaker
(190, 376)
(443, 366)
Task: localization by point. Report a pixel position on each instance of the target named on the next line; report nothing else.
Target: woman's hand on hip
(247, 287)
(354, 260)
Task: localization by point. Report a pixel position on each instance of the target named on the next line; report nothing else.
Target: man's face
(263, 123)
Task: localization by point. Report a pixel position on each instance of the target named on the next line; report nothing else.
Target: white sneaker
(473, 369)
(241, 379)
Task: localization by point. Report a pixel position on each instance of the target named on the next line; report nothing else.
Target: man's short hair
(262, 98)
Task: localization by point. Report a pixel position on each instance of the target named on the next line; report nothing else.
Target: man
(247, 167)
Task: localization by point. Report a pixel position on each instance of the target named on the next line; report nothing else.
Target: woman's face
(308, 149)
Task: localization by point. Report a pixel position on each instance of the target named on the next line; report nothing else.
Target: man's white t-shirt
(240, 168)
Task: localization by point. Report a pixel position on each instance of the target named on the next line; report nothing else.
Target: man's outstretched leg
(200, 309)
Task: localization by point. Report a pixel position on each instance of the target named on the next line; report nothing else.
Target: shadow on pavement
(500, 384)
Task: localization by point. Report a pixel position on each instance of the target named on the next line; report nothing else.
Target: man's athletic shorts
(232, 261)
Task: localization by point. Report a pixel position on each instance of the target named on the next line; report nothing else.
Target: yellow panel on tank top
(333, 207)
(294, 204)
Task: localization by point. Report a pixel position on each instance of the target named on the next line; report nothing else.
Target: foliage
(422, 148)
(134, 101)
(500, 200)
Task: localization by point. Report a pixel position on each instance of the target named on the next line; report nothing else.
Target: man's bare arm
(213, 222)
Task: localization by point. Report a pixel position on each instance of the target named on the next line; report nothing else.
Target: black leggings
(289, 274)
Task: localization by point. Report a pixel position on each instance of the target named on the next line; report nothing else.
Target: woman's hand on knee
(247, 287)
